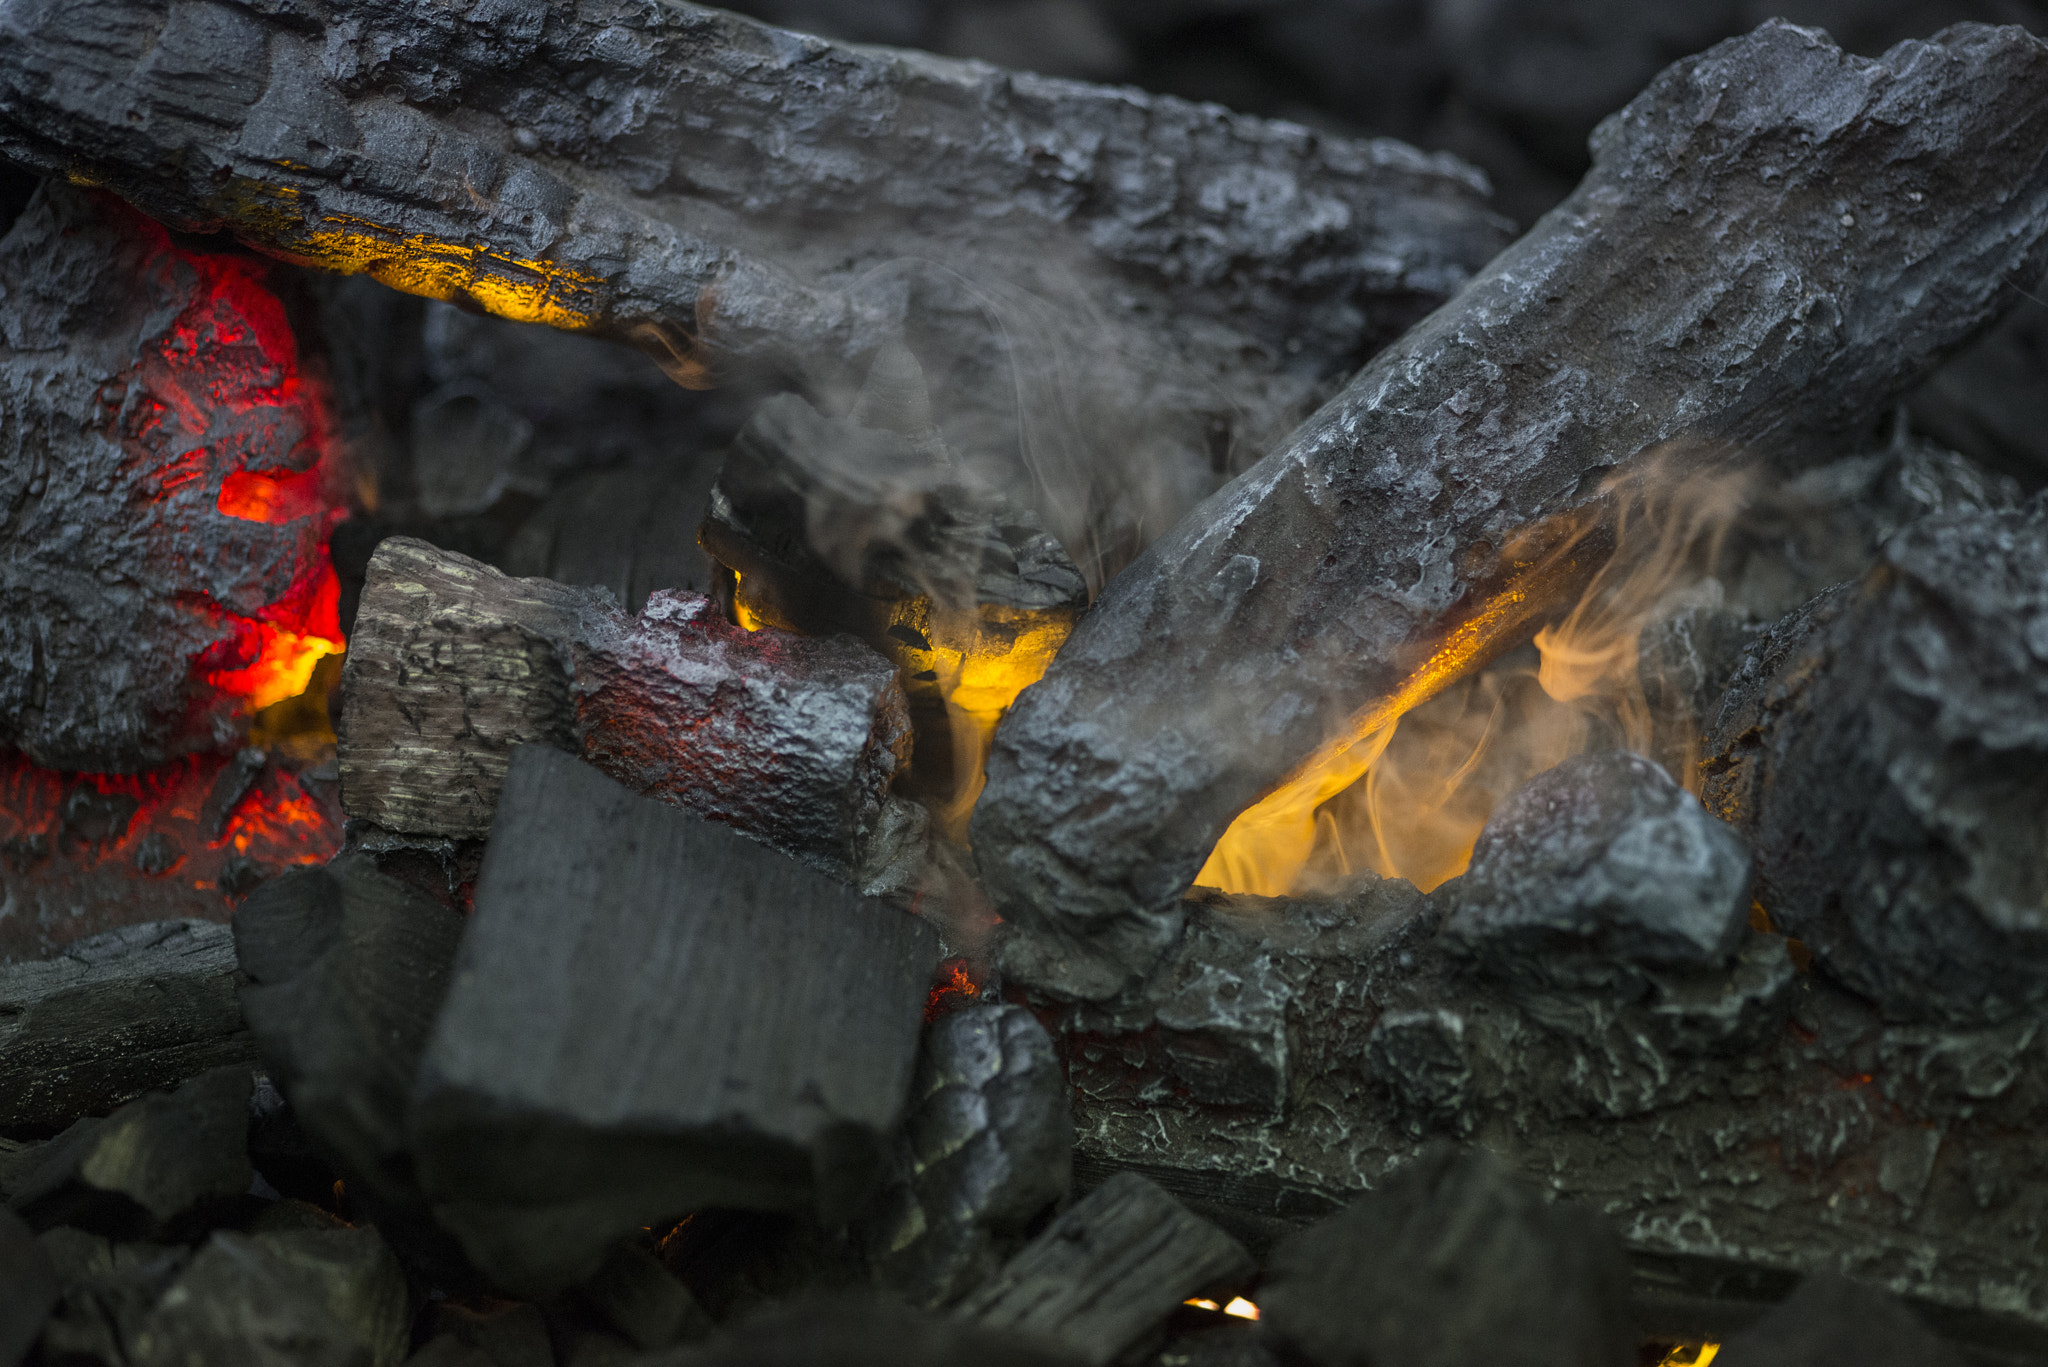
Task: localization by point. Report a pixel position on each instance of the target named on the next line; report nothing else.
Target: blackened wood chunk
(1598, 868)
(131, 1011)
(628, 531)
(481, 1332)
(650, 1014)
(345, 969)
(1830, 1319)
(1451, 1261)
(453, 664)
(643, 1300)
(28, 1289)
(161, 485)
(1216, 270)
(849, 1332)
(986, 1147)
(1109, 1270)
(330, 1296)
(1727, 277)
(148, 1168)
(1886, 749)
(109, 1291)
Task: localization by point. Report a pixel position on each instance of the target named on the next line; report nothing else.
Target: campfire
(677, 693)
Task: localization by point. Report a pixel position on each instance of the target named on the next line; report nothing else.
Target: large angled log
(778, 198)
(1774, 238)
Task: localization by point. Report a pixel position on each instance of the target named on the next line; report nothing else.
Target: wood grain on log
(1775, 237)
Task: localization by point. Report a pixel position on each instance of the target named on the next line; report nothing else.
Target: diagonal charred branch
(1774, 238)
(699, 177)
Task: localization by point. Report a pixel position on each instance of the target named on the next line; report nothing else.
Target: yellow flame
(1691, 1355)
(1405, 790)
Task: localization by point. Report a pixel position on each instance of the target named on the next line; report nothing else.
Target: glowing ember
(1238, 1306)
(1405, 792)
(955, 988)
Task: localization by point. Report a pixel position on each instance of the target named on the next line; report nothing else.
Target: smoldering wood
(986, 1146)
(28, 1289)
(453, 664)
(343, 971)
(1740, 1127)
(151, 1169)
(779, 200)
(1886, 748)
(651, 1014)
(1108, 1271)
(131, 1011)
(133, 387)
(1828, 259)
(1453, 1260)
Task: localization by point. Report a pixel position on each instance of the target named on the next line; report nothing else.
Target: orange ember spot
(273, 658)
(272, 498)
(955, 988)
(1238, 1306)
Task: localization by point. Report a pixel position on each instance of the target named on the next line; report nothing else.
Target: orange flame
(1405, 790)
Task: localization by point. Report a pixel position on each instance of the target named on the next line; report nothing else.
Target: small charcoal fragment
(1595, 868)
(650, 1014)
(1831, 1320)
(1453, 1261)
(147, 1167)
(1108, 1271)
(133, 1010)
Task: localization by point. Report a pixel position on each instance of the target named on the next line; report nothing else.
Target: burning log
(1109, 1270)
(986, 1147)
(151, 1169)
(165, 500)
(453, 664)
(651, 1014)
(1839, 223)
(1450, 1259)
(131, 1011)
(1887, 750)
(743, 193)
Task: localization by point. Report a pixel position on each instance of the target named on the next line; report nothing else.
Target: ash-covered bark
(1195, 274)
(161, 484)
(1775, 236)
(1886, 748)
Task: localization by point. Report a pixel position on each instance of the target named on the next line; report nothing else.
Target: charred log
(1828, 258)
(113, 1017)
(164, 502)
(754, 191)
(1108, 1271)
(453, 664)
(608, 1055)
(1886, 748)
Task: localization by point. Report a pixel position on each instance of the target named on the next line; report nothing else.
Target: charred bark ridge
(161, 488)
(1775, 237)
(1887, 750)
(778, 199)
(452, 664)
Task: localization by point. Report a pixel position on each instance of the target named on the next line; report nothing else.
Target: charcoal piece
(126, 1012)
(453, 664)
(109, 1291)
(1887, 752)
(868, 524)
(487, 1333)
(1108, 1271)
(344, 971)
(1991, 401)
(310, 1295)
(849, 1331)
(1453, 1260)
(1831, 1319)
(164, 487)
(629, 531)
(651, 1014)
(28, 1289)
(748, 196)
(643, 1300)
(1596, 868)
(1402, 535)
(986, 1147)
(736, 1261)
(148, 1168)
